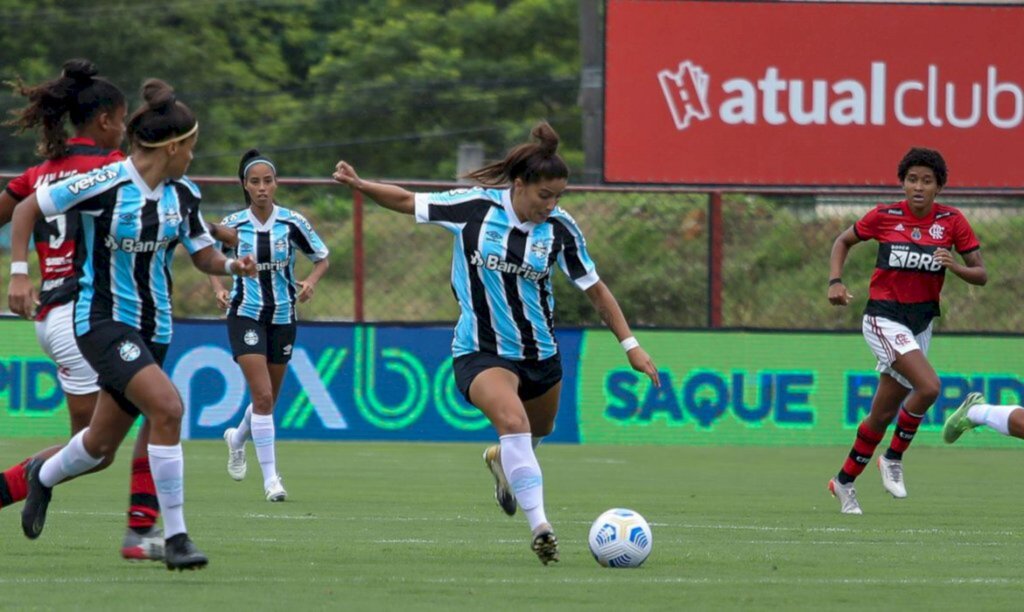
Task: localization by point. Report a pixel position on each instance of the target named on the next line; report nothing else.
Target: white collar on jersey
(262, 227)
(147, 193)
(506, 202)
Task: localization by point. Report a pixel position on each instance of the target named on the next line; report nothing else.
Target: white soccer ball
(620, 538)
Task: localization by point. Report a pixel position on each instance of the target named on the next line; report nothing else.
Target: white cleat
(847, 496)
(892, 476)
(236, 458)
(275, 490)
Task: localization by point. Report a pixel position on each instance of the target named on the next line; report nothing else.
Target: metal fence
(681, 258)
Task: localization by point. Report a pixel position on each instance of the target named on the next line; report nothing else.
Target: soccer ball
(620, 538)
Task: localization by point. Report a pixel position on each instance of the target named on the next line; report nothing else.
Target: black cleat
(181, 554)
(545, 544)
(33, 514)
(502, 492)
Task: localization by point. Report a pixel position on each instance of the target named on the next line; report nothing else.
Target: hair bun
(158, 94)
(79, 70)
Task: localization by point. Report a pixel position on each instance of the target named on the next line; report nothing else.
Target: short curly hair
(929, 158)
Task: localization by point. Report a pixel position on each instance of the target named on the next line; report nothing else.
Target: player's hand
(245, 266)
(21, 296)
(944, 257)
(838, 295)
(222, 299)
(641, 362)
(345, 174)
(306, 290)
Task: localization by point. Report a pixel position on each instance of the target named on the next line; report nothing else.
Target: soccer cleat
(236, 458)
(958, 423)
(545, 544)
(502, 493)
(892, 476)
(33, 514)
(275, 490)
(847, 496)
(147, 546)
(181, 554)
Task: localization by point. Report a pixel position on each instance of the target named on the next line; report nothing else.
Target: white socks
(168, 466)
(241, 433)
(69, 461)
(995, 416)
(263, 440)
(523, 474)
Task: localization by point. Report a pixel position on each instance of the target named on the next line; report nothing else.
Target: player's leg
(261, 392)
(247, 337)
(974, 412)
(76, 378)
(156, 397)
(280, 342)
(143, 538)
(918, 372)
(91, 449)
(495, 392)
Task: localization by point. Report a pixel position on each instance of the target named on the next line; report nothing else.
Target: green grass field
(414, 526)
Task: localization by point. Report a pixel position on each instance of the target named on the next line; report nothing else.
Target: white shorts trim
(889, 339)
(56, 334)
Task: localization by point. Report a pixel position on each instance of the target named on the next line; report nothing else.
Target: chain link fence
(671, 258)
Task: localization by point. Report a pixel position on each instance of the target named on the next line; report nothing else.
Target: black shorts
(117, 352)
(250, 337)
(535, 377)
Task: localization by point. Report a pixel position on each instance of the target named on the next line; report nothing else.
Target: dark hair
(160, 117)
(247, 158)
(929, 158)
(77, 94)
(530, 161)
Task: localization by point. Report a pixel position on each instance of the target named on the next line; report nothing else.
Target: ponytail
(530, 161)
(77, 94)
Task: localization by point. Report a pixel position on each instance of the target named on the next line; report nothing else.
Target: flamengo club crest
(128, 350)
(250, 337)
(935, 231)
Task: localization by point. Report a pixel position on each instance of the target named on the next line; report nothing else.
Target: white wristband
(629, 344)
(19, 267)
(227, 266)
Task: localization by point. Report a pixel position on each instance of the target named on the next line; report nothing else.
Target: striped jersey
(129, 233)
(907, 281)
(56, 237)
(501, 270)
(270, 297)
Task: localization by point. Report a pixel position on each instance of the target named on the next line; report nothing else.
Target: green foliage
(392, 86)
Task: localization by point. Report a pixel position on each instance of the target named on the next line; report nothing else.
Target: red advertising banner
(755, 93)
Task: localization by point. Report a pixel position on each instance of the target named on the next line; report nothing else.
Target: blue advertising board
(348, 382)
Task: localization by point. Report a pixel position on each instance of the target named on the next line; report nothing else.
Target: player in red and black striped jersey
(96, 109)
(916, 238)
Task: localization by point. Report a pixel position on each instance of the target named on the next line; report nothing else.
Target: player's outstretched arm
(391, 197)
(608, 308)
(213, 262)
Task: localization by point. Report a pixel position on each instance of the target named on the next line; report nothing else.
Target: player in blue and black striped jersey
(133, 215)
(261, 310)
(507, 243)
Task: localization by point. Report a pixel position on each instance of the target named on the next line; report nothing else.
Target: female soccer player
(1007, 419)
(134, 213)
(96, 109)
(915, 237)
(506, 357)
(261, 310)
